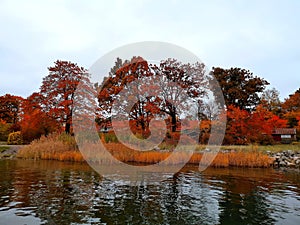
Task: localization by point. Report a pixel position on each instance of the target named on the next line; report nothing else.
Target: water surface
(51, 192)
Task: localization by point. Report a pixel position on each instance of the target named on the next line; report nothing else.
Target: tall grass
(63, 147)
(55, 146)
(127, 155)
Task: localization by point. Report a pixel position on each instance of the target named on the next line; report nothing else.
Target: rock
(289, 164)
(295, 158)
(156, 148)
(286, 158)
(291, 152)
(282, 163)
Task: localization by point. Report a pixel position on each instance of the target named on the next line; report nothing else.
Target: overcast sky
(262, 36)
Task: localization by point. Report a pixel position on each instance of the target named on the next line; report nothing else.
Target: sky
(262, 36)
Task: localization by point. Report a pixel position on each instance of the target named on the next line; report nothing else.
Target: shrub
(263, 139)
(110, 138)
(14, 138)
(4, 130)
(67, 139)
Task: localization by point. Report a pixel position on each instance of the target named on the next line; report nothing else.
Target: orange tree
(140, 78)
(34, 121)
(291, 109)
(10, 110)
(126, 76)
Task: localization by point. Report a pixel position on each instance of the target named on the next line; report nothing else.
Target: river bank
(225, 158)
(9, 151)
(287, 158)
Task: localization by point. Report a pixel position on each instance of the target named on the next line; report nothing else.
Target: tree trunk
(173, 122)
(68, 128)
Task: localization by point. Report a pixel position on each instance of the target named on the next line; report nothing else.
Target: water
(50, 192)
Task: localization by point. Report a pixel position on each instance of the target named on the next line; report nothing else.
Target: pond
(51, 192)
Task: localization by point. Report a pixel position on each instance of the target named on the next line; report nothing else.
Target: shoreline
(284, 159)
(9, 151)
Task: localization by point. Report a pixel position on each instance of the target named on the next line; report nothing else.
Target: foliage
(291, 109)
(10, 110)
(178, 82)
(244, 127)
(292, 103)
(251, 119)
(240, 87)
(120, 77)
(110, 137)
(4, 130)
(270, 101)
(58, 90)
(35, 122)
(141, 81)
(14, 138)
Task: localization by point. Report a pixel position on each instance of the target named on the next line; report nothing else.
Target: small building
(284, 135)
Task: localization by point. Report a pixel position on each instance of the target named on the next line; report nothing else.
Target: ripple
(69, 195)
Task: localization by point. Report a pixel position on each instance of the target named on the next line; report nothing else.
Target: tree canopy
(58, 89)
(240, 87)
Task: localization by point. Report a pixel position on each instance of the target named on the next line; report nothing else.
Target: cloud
(258, 35)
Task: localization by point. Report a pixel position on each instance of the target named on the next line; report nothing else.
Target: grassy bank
(63, 148)
(263, 148)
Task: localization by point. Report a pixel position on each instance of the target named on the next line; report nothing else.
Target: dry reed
(56, 148)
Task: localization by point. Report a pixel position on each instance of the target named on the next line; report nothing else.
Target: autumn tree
(10, 110)
(4, 130)
(291, 109)
(240, 87)
(245, 127)
(261, 124)
(237, 126)
(127, 76)
(182, 85)
(34, 121)
(155, 89)
(58, 89)
(292, 103)
(270, 100)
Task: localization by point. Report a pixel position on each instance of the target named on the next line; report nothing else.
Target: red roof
(284, 131)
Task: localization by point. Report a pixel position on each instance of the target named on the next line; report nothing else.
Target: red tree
(34, 122)
(10, 110)
(58, 91)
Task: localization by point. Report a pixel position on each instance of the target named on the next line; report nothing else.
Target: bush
(110, 138)
(14, 138)
(4, 130)
(262, 139)
(67, 139)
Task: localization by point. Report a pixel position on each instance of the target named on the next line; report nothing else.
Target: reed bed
(63, 149)
(54, 147)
